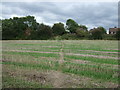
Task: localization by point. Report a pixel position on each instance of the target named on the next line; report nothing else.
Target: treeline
(27, 28)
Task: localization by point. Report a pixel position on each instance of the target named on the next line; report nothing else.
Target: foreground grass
(15, 82)
(98, 69)
(79, 69)
(33, 54)
(54, 78)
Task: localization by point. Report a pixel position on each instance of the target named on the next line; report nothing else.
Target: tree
(0, 29)
(31, 22)
(102, 29)
(8, 31)
(15, 28)
(81, 33)
(117, 35)
(44, 32)
(97, 33)
(32, 26)
(19, 27)
(83, 27)
(58, 29)
(71, 25)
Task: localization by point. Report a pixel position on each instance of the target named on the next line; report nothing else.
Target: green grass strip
(42, 66)
(92, 59)
(91, 74)
(43, 49)
(96, 72)
(94, 67)
(45, 66)
(96, 49)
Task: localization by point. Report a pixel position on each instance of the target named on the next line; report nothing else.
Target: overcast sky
(91, 14)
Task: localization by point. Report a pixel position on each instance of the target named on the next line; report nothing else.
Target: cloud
(91, 14)
(61, 1)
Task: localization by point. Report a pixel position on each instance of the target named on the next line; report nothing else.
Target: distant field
(60, 64)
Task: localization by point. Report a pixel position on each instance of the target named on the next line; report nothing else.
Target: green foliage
(71, 25)
(44, 32)
(83, 27)
(58, 37)
(81, 33)
(58, 29)
(109, 37)
(24, 28)
(102, 29)
(15, 28)
(69, 36)
(97, 33)
(117, 36)
(7, 29)
(27, 28)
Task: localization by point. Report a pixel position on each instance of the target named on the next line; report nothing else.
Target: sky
(92, 14)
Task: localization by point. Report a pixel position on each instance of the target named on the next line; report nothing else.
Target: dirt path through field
(61, 53)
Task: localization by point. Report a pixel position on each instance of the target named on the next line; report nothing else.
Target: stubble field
(60, 64)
